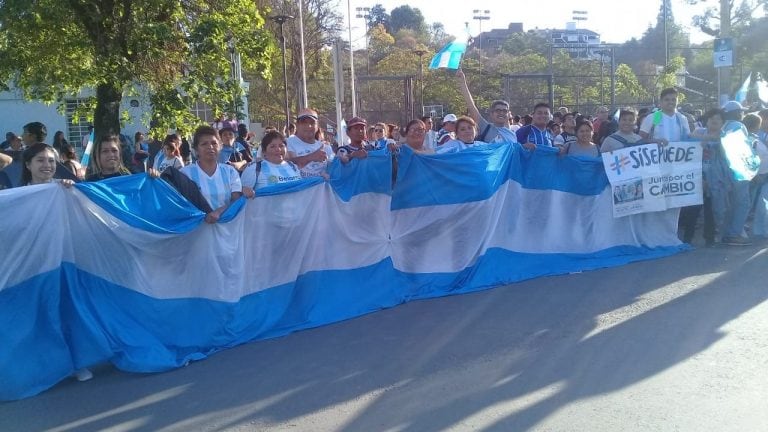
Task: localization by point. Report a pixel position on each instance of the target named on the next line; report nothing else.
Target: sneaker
(83, 374)
(736, 241)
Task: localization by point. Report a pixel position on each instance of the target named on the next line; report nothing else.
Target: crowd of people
(223, 162)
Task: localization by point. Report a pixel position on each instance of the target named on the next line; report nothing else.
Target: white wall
(15, 113)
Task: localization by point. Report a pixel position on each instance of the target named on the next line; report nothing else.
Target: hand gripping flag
(449, 57)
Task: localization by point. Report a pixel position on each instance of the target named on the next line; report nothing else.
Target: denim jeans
(738, 209)
(760, 224)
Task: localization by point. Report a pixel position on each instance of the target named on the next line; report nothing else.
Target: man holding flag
(496, 128)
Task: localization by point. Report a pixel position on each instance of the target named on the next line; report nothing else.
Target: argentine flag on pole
(449, 57)
(741, 94)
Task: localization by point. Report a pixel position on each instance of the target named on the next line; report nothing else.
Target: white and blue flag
(449, 57)
(741, 93)
(127, 272)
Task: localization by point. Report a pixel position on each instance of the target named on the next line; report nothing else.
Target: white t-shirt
(301, 148)
(430, 139)
(218, 188)
(162, 162)
(671, 128)
(454, 146)
(270, 174)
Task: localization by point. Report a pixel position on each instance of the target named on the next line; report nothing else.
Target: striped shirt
(218, 188)
(270, 174)
(532, 134)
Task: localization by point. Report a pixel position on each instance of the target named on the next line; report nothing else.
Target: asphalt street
(676, 344)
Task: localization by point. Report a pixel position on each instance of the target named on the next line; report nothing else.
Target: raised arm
(464, 89)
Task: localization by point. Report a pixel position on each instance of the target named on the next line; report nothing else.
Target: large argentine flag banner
(125, 270)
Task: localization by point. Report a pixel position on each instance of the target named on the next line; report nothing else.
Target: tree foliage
(742, 15)
(378, 16)
(406, 17)
(178, 50)
(322, 25)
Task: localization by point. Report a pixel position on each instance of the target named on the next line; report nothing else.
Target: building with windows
(579, 42)
(493, 40)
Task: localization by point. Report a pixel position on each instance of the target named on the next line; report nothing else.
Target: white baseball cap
(450, 118)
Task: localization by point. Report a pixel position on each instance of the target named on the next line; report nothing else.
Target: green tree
(628, 87)
(178, 50)
(406, 17)
(378, 16)
(742, 14)
(322, 24)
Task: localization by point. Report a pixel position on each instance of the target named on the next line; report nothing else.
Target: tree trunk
(106, 119)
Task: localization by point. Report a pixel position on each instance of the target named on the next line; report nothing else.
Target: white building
(15, 112)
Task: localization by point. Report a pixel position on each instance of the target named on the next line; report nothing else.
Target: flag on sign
(741, 94)
(449, 57)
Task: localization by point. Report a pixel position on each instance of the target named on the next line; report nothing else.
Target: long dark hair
(27, 156)
(59, 141)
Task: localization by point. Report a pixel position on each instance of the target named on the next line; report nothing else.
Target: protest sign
(650, 178)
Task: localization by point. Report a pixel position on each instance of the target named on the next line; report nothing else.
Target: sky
(615, 24)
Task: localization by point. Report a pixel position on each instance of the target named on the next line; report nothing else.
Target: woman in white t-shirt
(219, 183)
(466, 131)
(273, 169)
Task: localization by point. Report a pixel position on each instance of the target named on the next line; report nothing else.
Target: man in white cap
(448, 131)
(732, 209)
(357, 147)
(305, 150)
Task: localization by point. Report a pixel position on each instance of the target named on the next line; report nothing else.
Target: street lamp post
(365, 14)
(281, 20)
(351, 61)
(480, 16)
(420, 53)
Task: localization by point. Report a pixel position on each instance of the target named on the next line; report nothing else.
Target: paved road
(678, 344)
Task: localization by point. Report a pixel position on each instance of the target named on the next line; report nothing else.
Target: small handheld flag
(741, 94)
(449, 57)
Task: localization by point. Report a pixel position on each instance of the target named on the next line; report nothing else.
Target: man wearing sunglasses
(496, 128)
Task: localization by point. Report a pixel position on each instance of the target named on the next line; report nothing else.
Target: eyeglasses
(501, 110)
(378, 130)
